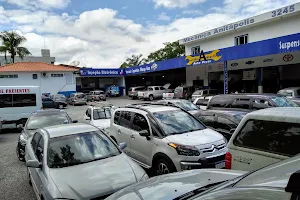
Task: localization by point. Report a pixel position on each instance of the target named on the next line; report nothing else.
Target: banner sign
(272, 46)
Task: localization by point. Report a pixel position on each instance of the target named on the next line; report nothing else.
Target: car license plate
(220, 165)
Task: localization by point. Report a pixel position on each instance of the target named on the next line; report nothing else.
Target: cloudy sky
(102, 33)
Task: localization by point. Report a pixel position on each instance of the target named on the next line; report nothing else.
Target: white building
(263, 50)
(52, 79)
(45, 58)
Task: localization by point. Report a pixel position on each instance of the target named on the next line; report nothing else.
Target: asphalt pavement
(13, 176)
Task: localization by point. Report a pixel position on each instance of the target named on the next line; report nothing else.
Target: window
(51, 119)
(116, 117)
(57, 75)
(103, 113)
(298, 93)
(214, 92)
(220, 102)
(261, 103)
(156, 88)
(274, 137)
(17, 100)
(224, 124)
(242, 39)
(208, 120)
(195, 50)
(149, 89)
(125, 119)
(35, 141)
(34, 76)
(161, 88)
(241, 103)
(40, 150)
(140, 123)
(88, 112)
(9, 76)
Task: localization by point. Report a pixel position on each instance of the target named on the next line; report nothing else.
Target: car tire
(21, 158)
(151, 98)
(163, 166)
(60, 106)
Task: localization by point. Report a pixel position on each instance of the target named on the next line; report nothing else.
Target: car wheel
(151, 98)
(29, 177)
(60, 106)
(164, 166)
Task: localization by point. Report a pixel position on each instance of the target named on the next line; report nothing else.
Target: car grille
(213, 148)
(101, 198)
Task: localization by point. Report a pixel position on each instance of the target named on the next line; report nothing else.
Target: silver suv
(167, 138)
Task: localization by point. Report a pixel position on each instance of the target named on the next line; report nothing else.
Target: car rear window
(219, 101)
(80, 95)
(275, 137)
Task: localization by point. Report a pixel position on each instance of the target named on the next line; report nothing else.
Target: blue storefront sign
(278, 45)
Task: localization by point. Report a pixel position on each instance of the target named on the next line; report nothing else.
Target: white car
(99, 115)
(264, 137)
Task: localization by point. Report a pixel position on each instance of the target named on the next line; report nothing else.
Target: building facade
(51, 79)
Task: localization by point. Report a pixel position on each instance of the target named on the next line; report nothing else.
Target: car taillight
(75, 98)
(182, 95)
(94, 97)
(143, 94)
(228, 159)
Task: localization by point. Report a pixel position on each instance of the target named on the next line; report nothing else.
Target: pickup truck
(154, 92)
(292, 93)
(204, 93)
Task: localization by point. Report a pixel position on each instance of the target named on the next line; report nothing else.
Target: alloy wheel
(162, 168)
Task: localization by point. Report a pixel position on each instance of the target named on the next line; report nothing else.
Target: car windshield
(286, 93)
(239, 117)
(198, 92)
(80, 95)
(102, 113)
(186, 105)
(79, 148)
(283, 102)
(49, 119)
(177, 122)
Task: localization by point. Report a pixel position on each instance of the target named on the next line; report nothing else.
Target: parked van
(17, 103)
(264, 137)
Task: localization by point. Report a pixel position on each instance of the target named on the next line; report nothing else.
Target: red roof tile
(35, 67)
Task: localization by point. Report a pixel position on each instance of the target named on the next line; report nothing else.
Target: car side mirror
(293, 184)
(144, 133)
(74, 121)
(20, 126)
(123, 145)
(33, 164)
(87, 117)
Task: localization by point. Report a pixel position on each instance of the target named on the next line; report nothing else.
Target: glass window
(161, 88)
(5, 100)
(241, 103)
(205, 92)
(214, 92)
(35, 141)
(202, 102)
(150, 89)
(186, 105)
(80, 96)
(198, 92)
(224, 124)
(239, 117)
(139, 89)
(283, 102)
(40, 150)
(240, 40)
(130, 89)
(43, 120)
(140, 123)
(177, 122)
(298, 92)
(116, 117)
(34, 76)
(195, 50)
(274, 137)
(220, 101)
(17, 100)
(156, 88)
(125, 119)
(208, 120)
(103, 113)
(261, 103)
(79, 148)
(57, 75)
(88, 112)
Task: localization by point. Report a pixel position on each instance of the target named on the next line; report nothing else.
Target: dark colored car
(248, 102)
(51, 103)
(40, 119)
(60, 100)
(184, 92)
(222, 121)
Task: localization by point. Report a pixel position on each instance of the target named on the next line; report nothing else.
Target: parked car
(202, 102)
(248, 102)
(279, 181)
(78, 161)
(264, 137)
(167, 138)
(113, 90)
(181, 103)
(184, 92)
(133, 91)
(293, 93)
(40, 119)
(99, 115)
(57, 97)
(154, 92)
(56, 102)
(222, 121)
(77, 99)
(96, 95)
(204, 93)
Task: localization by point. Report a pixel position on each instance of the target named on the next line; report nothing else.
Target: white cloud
(192, 12)
(100, 38)
(176, 3)
(164, 17)
(41, 4)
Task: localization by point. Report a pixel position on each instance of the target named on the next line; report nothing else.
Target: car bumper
(79, 102)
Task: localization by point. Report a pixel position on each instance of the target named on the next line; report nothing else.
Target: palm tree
(11, 43)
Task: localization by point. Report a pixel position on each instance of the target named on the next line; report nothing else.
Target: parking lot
(13, 180)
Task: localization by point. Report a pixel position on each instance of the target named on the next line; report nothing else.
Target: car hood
(205, 136)
(94, 179)
(174, 185)
(101, 123)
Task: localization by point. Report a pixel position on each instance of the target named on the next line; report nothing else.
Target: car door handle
(132, 136)
(119, 131)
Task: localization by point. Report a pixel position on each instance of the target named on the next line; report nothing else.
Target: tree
(169, 51)
(134, 60)
(12, 40)
(124, 65)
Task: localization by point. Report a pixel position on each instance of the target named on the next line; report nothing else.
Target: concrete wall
(282, 27)
(48, 84)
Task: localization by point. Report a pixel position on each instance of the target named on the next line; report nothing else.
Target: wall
(282, 27)
(47, 84)
(196, 71)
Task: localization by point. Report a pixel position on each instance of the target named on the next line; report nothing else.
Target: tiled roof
(35, 67)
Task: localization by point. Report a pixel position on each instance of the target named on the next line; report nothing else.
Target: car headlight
(23, 138)
(145, 177)
(185, 150)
